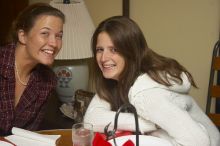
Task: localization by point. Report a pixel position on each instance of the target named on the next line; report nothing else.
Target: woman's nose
(105, 55)
(52, 41)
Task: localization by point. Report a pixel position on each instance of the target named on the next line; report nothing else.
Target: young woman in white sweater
(128, 71)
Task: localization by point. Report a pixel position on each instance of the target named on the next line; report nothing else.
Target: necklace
(19, 79)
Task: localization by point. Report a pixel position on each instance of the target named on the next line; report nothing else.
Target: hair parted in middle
(131, 44)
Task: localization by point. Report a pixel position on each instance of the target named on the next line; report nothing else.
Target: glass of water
(82, 134)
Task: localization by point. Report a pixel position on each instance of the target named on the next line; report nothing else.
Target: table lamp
(71, 65)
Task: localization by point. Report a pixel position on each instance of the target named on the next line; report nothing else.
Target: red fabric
(99, 140)
(118, 133)
(128, 143)
(123, 133)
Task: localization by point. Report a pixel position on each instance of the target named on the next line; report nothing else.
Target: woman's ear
(21, 36)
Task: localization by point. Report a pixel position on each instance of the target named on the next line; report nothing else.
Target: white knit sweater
(179, 118)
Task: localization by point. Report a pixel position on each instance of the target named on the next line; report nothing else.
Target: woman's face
(44, 40)
(109, 60)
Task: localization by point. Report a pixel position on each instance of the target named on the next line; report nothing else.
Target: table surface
(66, 136)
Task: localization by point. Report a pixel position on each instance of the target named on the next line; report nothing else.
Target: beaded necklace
(19, 79)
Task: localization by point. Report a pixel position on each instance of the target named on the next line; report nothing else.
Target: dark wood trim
(8, 12)
(125, 7)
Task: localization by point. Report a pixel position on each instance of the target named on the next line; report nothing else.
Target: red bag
(102, 140)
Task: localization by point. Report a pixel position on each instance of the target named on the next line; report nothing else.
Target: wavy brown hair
(130, 42)
(27, 18)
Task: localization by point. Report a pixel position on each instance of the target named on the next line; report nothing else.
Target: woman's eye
(99, 50)
(45, 33)
(114, 50)
(59, 36)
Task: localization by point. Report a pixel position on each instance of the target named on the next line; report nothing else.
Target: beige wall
(183, 29)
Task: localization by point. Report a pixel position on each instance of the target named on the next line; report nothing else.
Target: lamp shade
(78, 30)
(77, 34)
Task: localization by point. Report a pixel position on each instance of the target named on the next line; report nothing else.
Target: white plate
(143, 140)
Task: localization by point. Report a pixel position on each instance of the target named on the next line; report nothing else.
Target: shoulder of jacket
(144, 82)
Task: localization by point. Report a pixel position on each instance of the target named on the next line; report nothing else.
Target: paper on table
(22, 137)
(3, 143)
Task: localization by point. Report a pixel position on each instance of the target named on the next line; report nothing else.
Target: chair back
(214, 86)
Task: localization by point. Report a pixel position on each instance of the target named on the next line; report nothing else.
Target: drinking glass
(82, 134)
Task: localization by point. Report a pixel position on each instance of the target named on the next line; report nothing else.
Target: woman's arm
(156, 106)
(99, 114)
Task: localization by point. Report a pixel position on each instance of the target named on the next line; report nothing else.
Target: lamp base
(70, 79)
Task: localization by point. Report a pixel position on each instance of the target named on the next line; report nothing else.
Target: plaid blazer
(30, 109)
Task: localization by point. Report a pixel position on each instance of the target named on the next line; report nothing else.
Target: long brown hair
(130, 42)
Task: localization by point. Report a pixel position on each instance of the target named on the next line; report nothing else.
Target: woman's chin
(48, 62)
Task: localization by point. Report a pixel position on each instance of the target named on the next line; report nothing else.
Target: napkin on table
(22, 137)
(5, 142)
